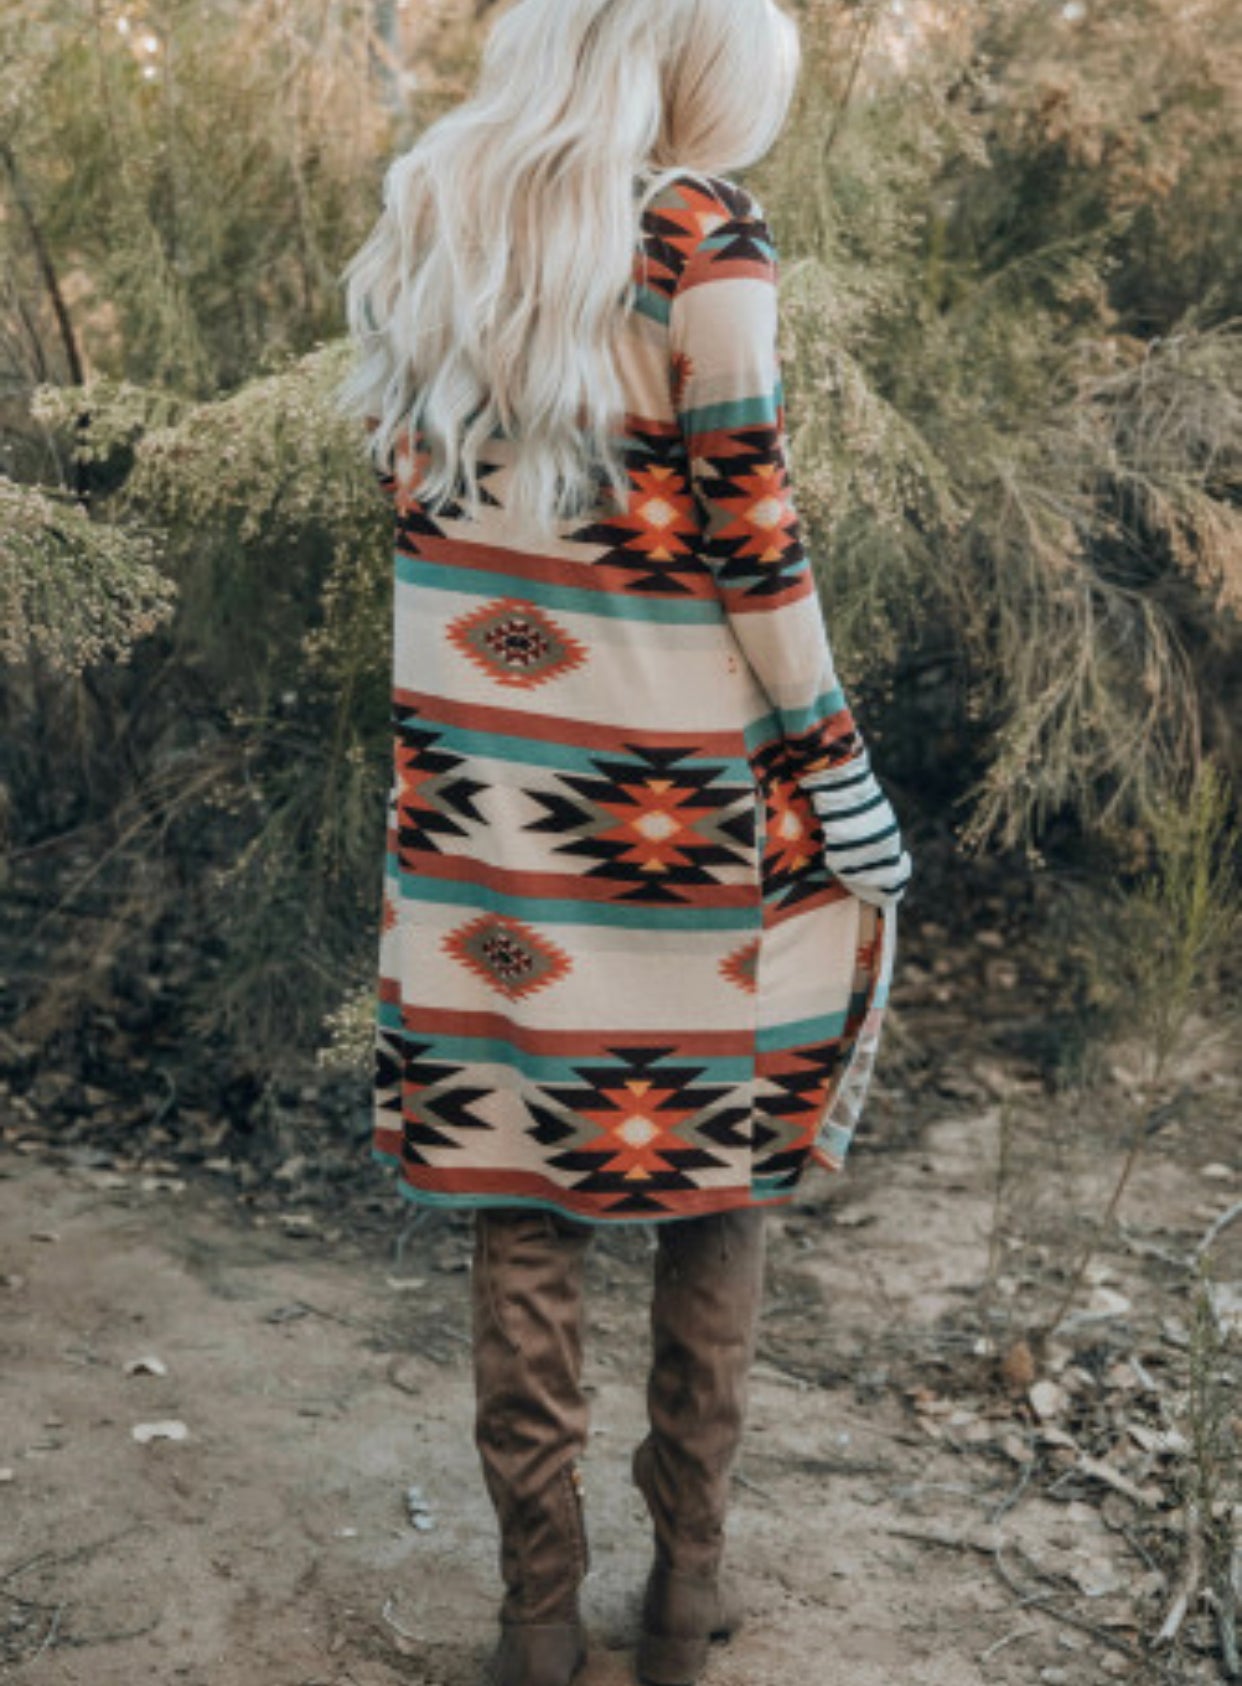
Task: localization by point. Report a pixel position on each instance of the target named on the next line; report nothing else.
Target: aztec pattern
(617, 975)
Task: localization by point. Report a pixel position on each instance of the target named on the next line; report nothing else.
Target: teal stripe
(783, 722)
(721, 241)
(608, 603)
(759, 411)
(545, 1068)
(429, 1197)
(648, 301)
(633, 916)
(770, 1191)
(770, 1038)
(816, 712)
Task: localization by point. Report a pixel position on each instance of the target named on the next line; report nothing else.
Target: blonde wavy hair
(489, 295)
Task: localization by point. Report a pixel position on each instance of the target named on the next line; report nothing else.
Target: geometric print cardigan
(638, 912)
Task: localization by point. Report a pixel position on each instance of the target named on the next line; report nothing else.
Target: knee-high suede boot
(530, 1427)
(705, 1307)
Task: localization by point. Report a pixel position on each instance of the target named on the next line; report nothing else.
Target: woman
(638, 897)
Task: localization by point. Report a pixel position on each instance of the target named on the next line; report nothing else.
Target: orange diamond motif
(639, 1127)
(662, 511)
(762, 516)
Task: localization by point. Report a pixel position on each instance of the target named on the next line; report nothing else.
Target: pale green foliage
(276, 468)
(1155, 952)
(74, 591)
(196, 173)
(350, 1031)
(273, 461)
(254, 490)
(1012, 280)
(1211, 1466)
(276, 537)
(106, 417)
(1161, 943)
(986, 460)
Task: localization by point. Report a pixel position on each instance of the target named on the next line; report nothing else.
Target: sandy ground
(894, 1519)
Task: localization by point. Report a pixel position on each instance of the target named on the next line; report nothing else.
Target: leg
(530, 1427)
(705, 1306)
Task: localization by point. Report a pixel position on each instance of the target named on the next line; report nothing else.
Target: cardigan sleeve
(729, 399)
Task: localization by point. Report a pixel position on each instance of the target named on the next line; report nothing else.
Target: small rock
(168, 1429)
(44, 1235)
(1151, 1585)
(1096, 1577)
(419, 1510)
(1048, 1400)
(1226, 1300)
(147, 1366)
(104, 1180)
(1174, 1331)
(1018, 1367)
(1017, 1450)
(977, 1432)
(1107, 1302)
(1218, 1173)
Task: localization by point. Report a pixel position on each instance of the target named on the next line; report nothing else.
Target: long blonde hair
(488, 297)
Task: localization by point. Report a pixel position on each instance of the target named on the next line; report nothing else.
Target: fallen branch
(960, 1540)
(1188, 1582)
(1119, 1483)
(1226, 1612)
(1214, 1231)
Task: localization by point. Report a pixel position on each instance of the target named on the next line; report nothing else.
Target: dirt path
(319, 1376)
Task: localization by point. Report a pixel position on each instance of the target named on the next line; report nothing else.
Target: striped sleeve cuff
(862, 835)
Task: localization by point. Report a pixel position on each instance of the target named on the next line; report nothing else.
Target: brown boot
(530, 1427)
(705, 1306)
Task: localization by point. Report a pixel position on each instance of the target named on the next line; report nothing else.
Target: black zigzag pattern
(627, 539)
(600, 816)
(433, 798)
(752, 470)
(676, 1090)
